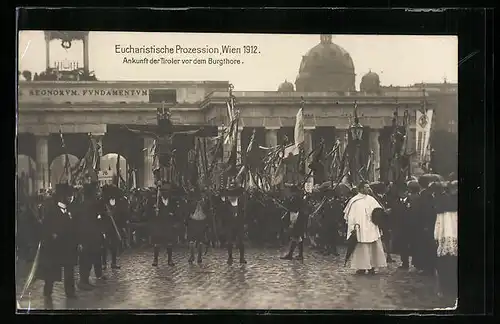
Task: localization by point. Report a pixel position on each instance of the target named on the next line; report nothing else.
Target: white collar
(61, 205)
(165, 201)
(234, 203)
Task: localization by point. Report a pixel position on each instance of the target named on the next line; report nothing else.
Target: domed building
(286, 87)
(370, 83)
(325, 88)
(326, 67)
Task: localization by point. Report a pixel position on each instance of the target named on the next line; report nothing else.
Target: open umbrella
(379, 217)
(351, 243)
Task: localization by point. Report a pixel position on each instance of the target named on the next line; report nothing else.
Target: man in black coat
(234, 222)
(112, 213)
(165, 224)
(332, 217)
(90, 236)
(424, 247)
(197, 224)
(59, 249)
(297, 219)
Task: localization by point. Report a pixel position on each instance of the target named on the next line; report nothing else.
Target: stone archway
(57, 168)
(26, 175)
(109, 163)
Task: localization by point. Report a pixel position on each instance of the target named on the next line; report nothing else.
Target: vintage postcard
(236, 171)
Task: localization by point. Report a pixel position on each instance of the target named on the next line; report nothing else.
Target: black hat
(63, 190)
(342, 189)
(413, 186)
(454, 184)
(436, 186)
(378, 187)
(426, 179)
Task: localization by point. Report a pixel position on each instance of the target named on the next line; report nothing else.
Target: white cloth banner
(424, 123)
(299, 128)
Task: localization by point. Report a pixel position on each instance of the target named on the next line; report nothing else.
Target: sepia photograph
(201, 171)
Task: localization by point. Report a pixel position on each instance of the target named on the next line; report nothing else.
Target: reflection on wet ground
(266, 282)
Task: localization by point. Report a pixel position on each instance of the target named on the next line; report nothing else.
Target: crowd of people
(416, 220)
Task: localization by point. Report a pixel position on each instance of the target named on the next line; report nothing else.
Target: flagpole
(118, 158)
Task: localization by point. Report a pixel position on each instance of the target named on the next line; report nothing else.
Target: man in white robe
(369, 252)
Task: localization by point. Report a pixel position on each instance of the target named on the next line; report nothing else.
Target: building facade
(109, 109)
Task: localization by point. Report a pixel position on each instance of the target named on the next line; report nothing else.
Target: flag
(252, 157)
(292, 150)
(427, 134)
(86, 168)
(278, 175)
(299, 127)
(66, 176)
(155, 150)
(231, 162)
(230, 111)
(317, 154)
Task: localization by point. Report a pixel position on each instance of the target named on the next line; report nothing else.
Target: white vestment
(359, 212)
(369, 252)
(446, 233)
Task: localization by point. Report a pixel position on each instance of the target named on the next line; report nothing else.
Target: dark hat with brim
(378, 187)
(413, 186)
(342, 189)
(453, 184)
(426, 179)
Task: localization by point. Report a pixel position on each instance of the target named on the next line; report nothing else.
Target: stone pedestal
(42, 162)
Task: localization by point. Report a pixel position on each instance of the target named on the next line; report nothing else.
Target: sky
(399, 60)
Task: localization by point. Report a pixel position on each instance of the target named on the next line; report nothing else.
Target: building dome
(326, 67)
(370, 83)
(286, 87)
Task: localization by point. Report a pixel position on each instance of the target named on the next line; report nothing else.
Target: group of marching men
(75, 232)
(82, 231)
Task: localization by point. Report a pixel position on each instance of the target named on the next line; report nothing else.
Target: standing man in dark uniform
(197, 224)
(165, 224)
(234, 222)
(332, 216)
(90, 236)
(111, 215)
(59, 249)
(297, 223)
(424, 248)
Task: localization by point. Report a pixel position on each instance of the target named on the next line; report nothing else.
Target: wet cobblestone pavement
(266, 282)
